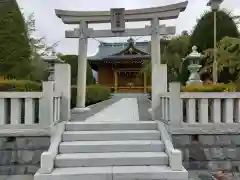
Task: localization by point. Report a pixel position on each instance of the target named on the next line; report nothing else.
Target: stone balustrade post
(46, 104)
(175, 104)
(63, 85)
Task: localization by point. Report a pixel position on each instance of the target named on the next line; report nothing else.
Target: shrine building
(119, 66)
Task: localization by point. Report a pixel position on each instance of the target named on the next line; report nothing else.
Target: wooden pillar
(115, 81)
(145, 82)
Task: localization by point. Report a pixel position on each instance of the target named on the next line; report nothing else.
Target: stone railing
(207, 108)
(204, 110)
(34, 113)
(26, 112)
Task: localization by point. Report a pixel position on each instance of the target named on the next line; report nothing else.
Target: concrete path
(141, 105)
(125, 109)
(94, 109)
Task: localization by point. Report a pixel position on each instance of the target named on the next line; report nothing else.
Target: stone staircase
(112, 151)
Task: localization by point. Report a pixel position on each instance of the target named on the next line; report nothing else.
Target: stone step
(111, 135)
(110, 159)
(114, 173)
(111, 146)
(105, 126)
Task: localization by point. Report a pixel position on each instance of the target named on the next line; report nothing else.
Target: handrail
(47, 157)
(175, 156)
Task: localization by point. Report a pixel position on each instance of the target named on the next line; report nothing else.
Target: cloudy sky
(52, 28)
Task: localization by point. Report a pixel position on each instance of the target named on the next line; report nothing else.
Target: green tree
(15, 49)
(177, 49)
(228, 57)
(203, 35)
(39, 48)
(73, 61)
(172, 53)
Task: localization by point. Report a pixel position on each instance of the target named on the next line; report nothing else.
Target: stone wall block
(235, 139)
(236, 164)
(218, 154)
(213, 165)
(25, 156)
(181, 140)
(38, 142)
(2, 142)
(207, 153)
(21, 156)
(207, 140)
(238, 153)
(222, 140)
(32, 169)
(231, 153)
(185, 154)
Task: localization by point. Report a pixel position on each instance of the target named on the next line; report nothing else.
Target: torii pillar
(82, 69)
(159, 70)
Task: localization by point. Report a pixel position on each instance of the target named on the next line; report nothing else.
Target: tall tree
(15, 49)
(228, 57)
(203, 35)
(39, 48)
(172, 52)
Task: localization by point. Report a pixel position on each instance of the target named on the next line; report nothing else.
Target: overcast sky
(52, 28)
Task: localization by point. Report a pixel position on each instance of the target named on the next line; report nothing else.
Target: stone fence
(205, 111)
(205, 126)
(28, 124)
(34, 113)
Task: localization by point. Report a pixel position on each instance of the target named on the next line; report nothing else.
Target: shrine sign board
(117, 20)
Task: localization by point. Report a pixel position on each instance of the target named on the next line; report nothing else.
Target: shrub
(19, 85)
(210, 88)
(94, 94)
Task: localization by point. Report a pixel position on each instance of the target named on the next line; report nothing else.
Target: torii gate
(83, 18)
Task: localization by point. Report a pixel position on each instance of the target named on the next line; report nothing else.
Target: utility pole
(214, 4)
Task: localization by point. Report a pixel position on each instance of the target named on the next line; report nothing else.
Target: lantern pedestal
(194, 77)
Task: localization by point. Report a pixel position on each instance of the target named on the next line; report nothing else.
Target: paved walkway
(121, 107)
(126, 109)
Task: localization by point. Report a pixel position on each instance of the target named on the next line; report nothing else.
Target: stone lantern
(51, 60)
(194, 59)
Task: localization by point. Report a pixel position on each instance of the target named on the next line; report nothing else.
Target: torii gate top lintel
(171, 11)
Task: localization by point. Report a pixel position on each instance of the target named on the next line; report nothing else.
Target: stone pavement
(126, 109)
(141, 102)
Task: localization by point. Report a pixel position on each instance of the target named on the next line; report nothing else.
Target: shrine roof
(121, 50)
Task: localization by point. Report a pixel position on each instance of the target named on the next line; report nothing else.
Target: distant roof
(108, 50)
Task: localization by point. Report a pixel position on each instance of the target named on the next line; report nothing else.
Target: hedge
(94, 94)
(211, 88)
(19, 85)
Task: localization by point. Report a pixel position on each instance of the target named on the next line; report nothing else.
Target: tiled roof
(106, 50)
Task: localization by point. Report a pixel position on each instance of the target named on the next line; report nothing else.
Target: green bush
(94, 94)
(19, 85)
(210, 88)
